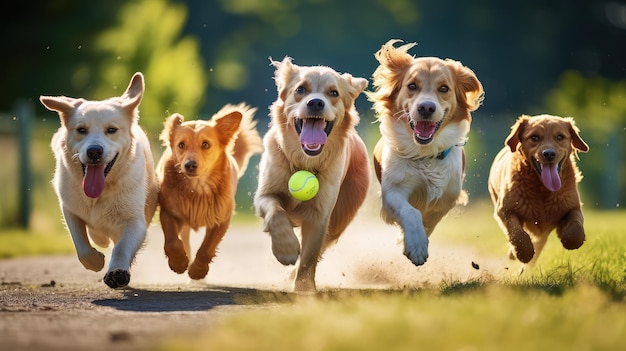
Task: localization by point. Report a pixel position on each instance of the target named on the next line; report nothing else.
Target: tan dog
(104, 177)
(198, 175)
(423, 105)
(312, 128)
(533, 185)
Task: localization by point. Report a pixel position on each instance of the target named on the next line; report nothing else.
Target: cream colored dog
(104, 177)
(423, 105)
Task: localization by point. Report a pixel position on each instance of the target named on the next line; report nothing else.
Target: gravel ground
(53, 303)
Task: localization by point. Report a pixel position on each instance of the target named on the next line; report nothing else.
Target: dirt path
(53, 303)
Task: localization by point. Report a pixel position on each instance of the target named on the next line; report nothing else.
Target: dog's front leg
(313, 235)
(174, 247)
(276, 222)
(200, 266)
(571, 230)
(397, 206)
(520, 241)
(124, 253)
(91, 258)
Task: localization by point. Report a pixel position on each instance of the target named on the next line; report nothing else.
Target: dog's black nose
(94, 153)
(315, 105)
(549, 154)
(191, 166)
(426, 109)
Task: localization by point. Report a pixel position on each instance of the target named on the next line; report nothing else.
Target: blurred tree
(598, 106)
(147, 38)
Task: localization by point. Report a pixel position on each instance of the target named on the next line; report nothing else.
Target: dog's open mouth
(424, 131)
(93, 177)
(549, 174)
(313, 133)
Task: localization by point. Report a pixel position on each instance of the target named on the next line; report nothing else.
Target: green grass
(571, 300)
(17, 243)
(492, 317)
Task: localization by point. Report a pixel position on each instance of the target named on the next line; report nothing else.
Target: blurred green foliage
(561, 57)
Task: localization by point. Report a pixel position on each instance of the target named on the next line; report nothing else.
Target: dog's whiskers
(401, 114)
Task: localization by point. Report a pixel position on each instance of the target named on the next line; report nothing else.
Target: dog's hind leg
(207, 251)
(91, 258)
(124, 253)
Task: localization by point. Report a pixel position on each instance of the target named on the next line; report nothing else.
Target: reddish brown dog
(533, 185)
(198, 175)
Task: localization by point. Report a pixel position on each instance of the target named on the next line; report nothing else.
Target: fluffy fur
(533, 185)
(198, 175)
(423, 105)
(312, 128)
(104, 177)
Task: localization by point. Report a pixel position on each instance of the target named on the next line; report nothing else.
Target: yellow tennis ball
(303, 185)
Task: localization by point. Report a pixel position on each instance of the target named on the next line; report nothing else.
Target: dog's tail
(248, 140)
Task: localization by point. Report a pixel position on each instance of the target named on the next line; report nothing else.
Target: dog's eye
(412, 86)
(111, 130)
(300, 90)
(444, 89)
(81, 130)
(534, 138)
(333, 93)
(181, 146)
(206, 145)
(560, 137)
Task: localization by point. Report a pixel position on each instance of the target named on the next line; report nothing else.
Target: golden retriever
(533, 185)
(423, 105)
(312, 128)
(104, 177)
(198, 175)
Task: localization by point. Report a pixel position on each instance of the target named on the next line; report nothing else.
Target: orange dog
(423, 105)
(532, 183)
(198, 174)
(312, 128)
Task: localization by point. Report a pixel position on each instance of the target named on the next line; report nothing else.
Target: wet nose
(191, 166)
(315, 105)
(549, 154)
(94, 153)
(426, 109)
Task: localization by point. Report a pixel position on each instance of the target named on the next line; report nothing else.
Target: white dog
(104, 177)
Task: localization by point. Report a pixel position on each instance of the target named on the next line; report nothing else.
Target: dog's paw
(572, 235)
(286, 248)
(178, 263)
(94, 260)
(416, 249)
(198, 271)
(117, 278)
(523, 247)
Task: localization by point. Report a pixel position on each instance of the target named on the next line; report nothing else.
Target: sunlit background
(563, 57)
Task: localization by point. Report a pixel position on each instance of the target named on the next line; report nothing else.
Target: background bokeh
(563, 57)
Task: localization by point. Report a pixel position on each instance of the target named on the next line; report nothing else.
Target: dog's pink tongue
(424, 129)
(313, 131)
(550, 177)
(93, 182)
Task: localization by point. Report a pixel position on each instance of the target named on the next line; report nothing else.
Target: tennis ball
(303, 185)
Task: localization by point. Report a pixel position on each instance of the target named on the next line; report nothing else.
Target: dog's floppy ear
(513, 139)
(171, 123)
(577, 142)
(282, 75)
(227, 126)
(63, 105)
(357, 85)
(133, 94)
(470, 91)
